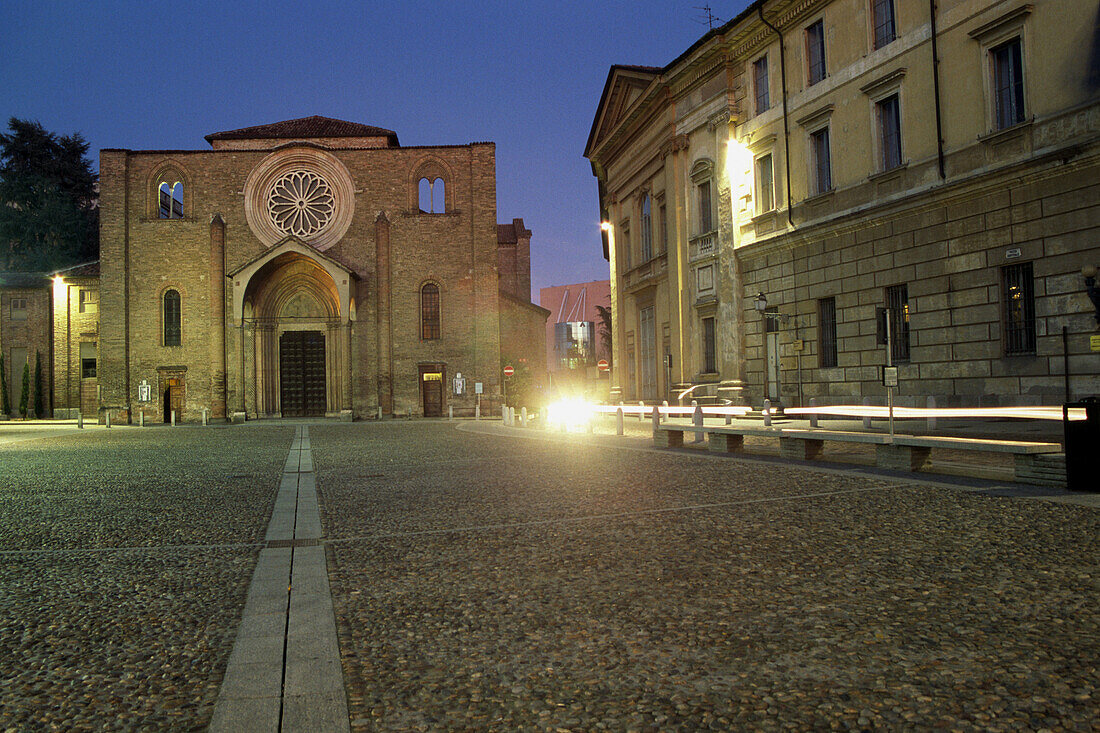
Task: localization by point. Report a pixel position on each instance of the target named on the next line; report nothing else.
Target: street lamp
(1089, 271)
(761, 303)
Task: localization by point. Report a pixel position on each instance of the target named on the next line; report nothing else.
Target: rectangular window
(18, 309)
(889, 127)
(765, 184)
(760, 84)
(87, 360)
(883, 16)
(710, 364)
(704, 207)
(662, 224)
(1018, 291)
(826, 308)
(815, 52)
(897, 306)
(626, 248)
(822, 166)
(647, 230)
(88, 301)
(1008, 84)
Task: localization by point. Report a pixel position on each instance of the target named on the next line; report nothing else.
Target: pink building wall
(575, 302)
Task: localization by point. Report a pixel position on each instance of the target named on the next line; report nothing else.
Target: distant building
(572, 330)
(809, 164)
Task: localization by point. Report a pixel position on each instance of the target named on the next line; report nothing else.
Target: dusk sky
(526, 76)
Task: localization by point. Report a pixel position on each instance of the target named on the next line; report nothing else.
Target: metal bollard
(204, 411)
(697, 420)
(619, 421)
(173, 418)
(523, 417)
(450, 412)
(767, 413)
(931, 418)
(813, 415)
(867, 420)
(80, 421)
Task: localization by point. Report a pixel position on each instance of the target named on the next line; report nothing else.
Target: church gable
(625, 86)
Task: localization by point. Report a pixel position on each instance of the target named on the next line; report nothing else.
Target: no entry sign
(603, 365)
(509, 371)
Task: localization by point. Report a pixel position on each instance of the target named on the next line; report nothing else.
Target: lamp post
(761, 305)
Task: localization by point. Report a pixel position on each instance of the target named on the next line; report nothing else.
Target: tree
(605, 331)
(49, 214)
(5, 403)
(26, 390)
(39, 403)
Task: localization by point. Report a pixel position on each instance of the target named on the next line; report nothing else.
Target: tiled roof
(23, 280)
(87, 269)
(305, 128)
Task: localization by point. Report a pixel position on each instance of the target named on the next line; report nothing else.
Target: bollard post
(619, 421)
(656, 420)
(767, 413)
(141, 419)
(523, 417)
(512, 417)
(80, 420)
(867, 420)
(450, 412)
(664, 404)
(813, 415)
(477, 411)
(378, 415)
(108, 421)
(503, 415)
(697, 420)
(204, 411)
(931, 418)
(641, 411)
(173, 418)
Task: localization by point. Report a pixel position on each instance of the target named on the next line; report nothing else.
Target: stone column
(382, 313)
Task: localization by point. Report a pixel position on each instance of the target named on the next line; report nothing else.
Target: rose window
(301, 203)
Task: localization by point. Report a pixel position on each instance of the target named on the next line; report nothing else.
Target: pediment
(624, 90)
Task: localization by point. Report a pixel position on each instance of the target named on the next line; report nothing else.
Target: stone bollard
(767, 413)
(477, 411)
(511, 417)
(204, 422)
(173, 418)
(450, 412)
(664, 404)
(641, 411)
(80, 420)
(813, 415)
(141, 419)
(108, 418)
(618, 421)
(523, 417)
(867, 420)
(931, 422)
(503, 415)
(656, 420)
(379, 414)
(697, 421)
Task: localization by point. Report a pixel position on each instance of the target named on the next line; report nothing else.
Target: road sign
(603, 365)
(509, 371)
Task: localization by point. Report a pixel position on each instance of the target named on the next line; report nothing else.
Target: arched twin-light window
(170, 200)
(433, 197)
(429, 312)
(172, 318)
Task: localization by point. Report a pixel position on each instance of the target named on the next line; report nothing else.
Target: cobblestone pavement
(124, 560)
(497, 583)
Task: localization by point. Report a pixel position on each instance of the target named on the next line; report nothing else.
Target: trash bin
(1082, 442)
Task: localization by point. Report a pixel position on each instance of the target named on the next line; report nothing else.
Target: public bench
(901, 453)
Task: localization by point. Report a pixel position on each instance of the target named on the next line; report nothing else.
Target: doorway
(302, 374)
(173, 398)
(431, 390)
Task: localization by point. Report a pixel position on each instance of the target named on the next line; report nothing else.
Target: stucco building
(306, 267)
(813, 161)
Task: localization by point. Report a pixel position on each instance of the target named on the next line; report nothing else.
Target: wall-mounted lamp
(605, 225)
(761, 302)
(1089, 271)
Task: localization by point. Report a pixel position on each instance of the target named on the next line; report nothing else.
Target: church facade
(311, 267)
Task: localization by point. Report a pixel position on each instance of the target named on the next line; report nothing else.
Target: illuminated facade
(938, 161)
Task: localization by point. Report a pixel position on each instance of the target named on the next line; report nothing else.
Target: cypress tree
(39, 402)
(26, 390)
(5, 404)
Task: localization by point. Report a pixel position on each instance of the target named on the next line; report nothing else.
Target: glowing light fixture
(605, 225)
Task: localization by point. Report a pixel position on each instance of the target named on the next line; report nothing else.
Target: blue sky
(526, 76)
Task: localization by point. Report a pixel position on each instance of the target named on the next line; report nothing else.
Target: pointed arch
(168, 191)
(431, 186)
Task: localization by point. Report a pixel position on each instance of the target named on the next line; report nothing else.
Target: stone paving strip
(284, 673)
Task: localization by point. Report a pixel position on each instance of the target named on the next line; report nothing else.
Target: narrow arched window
(429, 311)
(647, 230)
(439, 198)
(173, 330)
(170, 200)
(432, 197)
(424, 188)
